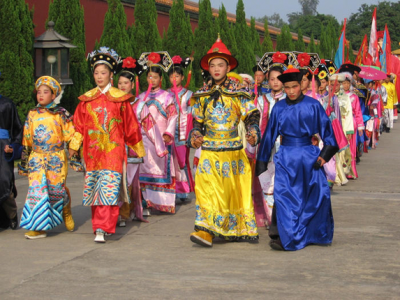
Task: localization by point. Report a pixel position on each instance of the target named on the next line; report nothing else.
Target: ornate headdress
(160, 59)
(307, 60)
(105, 56)
(50, 82)
(272, 59)
(129, 65)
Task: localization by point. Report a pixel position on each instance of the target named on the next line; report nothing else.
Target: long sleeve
(16, 130)
(172, 116)
(26, 147)
(327, 135)
(347, 115)
(267, 142)
(79, 118)
(133, 136)
(152, 131)
(357, 113)
(72, 137)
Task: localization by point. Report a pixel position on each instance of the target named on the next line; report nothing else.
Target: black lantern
(52, 55)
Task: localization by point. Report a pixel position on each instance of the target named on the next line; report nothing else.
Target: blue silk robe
(302, 195)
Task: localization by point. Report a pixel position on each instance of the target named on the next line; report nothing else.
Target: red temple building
(95, 11)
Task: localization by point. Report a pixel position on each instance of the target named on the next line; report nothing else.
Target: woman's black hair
(109, 69)
(155, 69)
(127, 75)
(175, 69)
(276, 69)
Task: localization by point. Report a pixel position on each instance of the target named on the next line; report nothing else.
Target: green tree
(144, 34)
(16, 50)
(359, 23)
(255, 37)
(115, 34)
(245, 57)
(312, 48)
(204, 37)
(324, 43)
(299, 45)
(179, 37)
(267, 45)
(226, 32)
(309, 7)
(284, 40)
(68, 16)
(273, 20)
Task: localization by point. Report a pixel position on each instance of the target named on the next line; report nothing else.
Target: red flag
(373, 40)
(361, 52)
(388, 51)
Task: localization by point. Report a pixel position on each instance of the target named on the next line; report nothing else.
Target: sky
(258, 8)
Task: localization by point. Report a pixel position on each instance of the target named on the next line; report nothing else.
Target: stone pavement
(157, 260)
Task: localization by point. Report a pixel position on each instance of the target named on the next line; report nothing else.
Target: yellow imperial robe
(224, 205)
(45, 162)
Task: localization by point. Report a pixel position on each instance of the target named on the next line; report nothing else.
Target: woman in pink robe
(157, 174)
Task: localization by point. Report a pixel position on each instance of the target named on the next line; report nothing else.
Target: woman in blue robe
(302, 213)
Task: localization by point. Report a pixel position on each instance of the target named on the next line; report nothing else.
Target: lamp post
(52, 55)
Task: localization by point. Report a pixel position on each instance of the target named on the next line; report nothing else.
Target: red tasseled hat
(380, 34)
(218, 50)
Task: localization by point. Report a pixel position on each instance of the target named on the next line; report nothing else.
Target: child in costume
(150, 133)
(108, 124)
(184, 179)
(157, 174)
(44, 161)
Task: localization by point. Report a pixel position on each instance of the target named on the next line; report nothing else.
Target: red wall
(95, 11)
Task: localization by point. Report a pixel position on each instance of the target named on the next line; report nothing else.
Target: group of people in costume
(268, 150)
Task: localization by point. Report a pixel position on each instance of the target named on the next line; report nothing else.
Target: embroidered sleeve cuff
(138, 148)
(193, 134)
(76, 141)
(255, 130)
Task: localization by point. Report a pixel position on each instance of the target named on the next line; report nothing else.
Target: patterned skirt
(46, 194)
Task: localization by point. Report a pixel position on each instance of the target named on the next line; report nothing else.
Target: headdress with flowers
(161, 59)
(129, 65)
(272, 59)
(106, 56)
(323, 72)
(307, 60)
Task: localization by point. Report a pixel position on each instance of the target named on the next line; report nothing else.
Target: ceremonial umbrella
(372, 73)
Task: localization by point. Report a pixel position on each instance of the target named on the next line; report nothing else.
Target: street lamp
(52, 55)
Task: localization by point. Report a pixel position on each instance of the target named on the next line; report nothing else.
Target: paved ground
(157, 260)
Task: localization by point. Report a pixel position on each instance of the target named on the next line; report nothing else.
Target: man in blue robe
(302, 213)
(11, 131)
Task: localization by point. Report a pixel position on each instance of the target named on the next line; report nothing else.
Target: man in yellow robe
(390, 104)
(224, 206)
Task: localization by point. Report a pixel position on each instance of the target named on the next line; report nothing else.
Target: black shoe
(276, 245)
(358, 160)
(387, 129)
(14, 223)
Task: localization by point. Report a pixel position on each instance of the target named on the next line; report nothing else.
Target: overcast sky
(258, 8)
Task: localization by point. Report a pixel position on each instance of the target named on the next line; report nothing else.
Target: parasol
(371, 73)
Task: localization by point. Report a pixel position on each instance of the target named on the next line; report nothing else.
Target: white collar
(106, 89)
